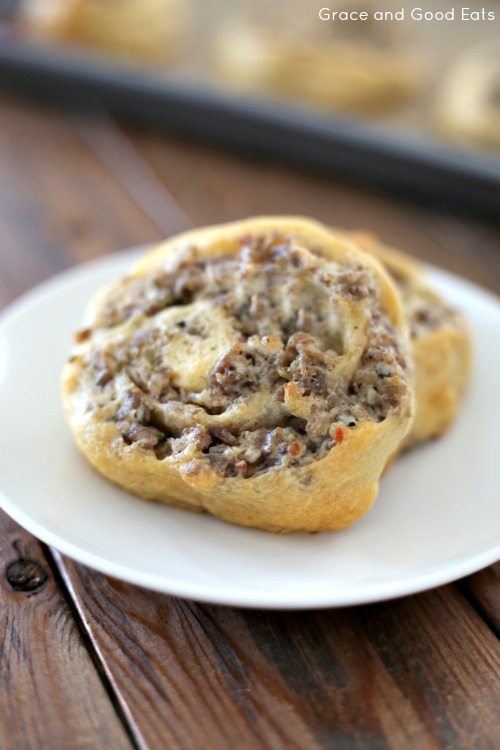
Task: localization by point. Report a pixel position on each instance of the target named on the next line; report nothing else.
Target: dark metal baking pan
(415, 168)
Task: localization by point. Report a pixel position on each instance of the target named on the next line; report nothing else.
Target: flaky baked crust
(147, 30)
(440, 343)
(468, 107)
(342, 73)
(325, 490)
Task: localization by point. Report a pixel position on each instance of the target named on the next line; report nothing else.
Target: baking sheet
(397, 152)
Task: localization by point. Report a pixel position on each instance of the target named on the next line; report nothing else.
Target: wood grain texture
(421, 672)
(50, 693)
(417, 673)
(483, 589)
(59, 205)
(213, 187)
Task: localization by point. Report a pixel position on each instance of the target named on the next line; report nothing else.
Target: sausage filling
(296, 351)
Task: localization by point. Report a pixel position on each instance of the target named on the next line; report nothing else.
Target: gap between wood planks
(133, 174)
(57, 568)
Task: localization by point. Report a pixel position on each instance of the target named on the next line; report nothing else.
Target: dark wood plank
(50, 693)
(421, 672)
(46, 162)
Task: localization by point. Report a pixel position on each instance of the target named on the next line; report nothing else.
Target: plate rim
(459, 566)
(249, 599)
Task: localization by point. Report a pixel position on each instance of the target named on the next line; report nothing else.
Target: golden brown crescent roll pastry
(149, 30)
(440, 343)
(257, 370)
(346, 73)
(468, 106)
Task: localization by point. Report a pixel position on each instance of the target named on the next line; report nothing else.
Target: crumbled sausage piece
(146, 437)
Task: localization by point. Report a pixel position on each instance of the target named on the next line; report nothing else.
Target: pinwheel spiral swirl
(240, 369)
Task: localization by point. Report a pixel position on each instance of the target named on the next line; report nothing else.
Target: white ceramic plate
(437, 517)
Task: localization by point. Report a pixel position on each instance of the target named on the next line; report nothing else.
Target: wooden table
(89, 662)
